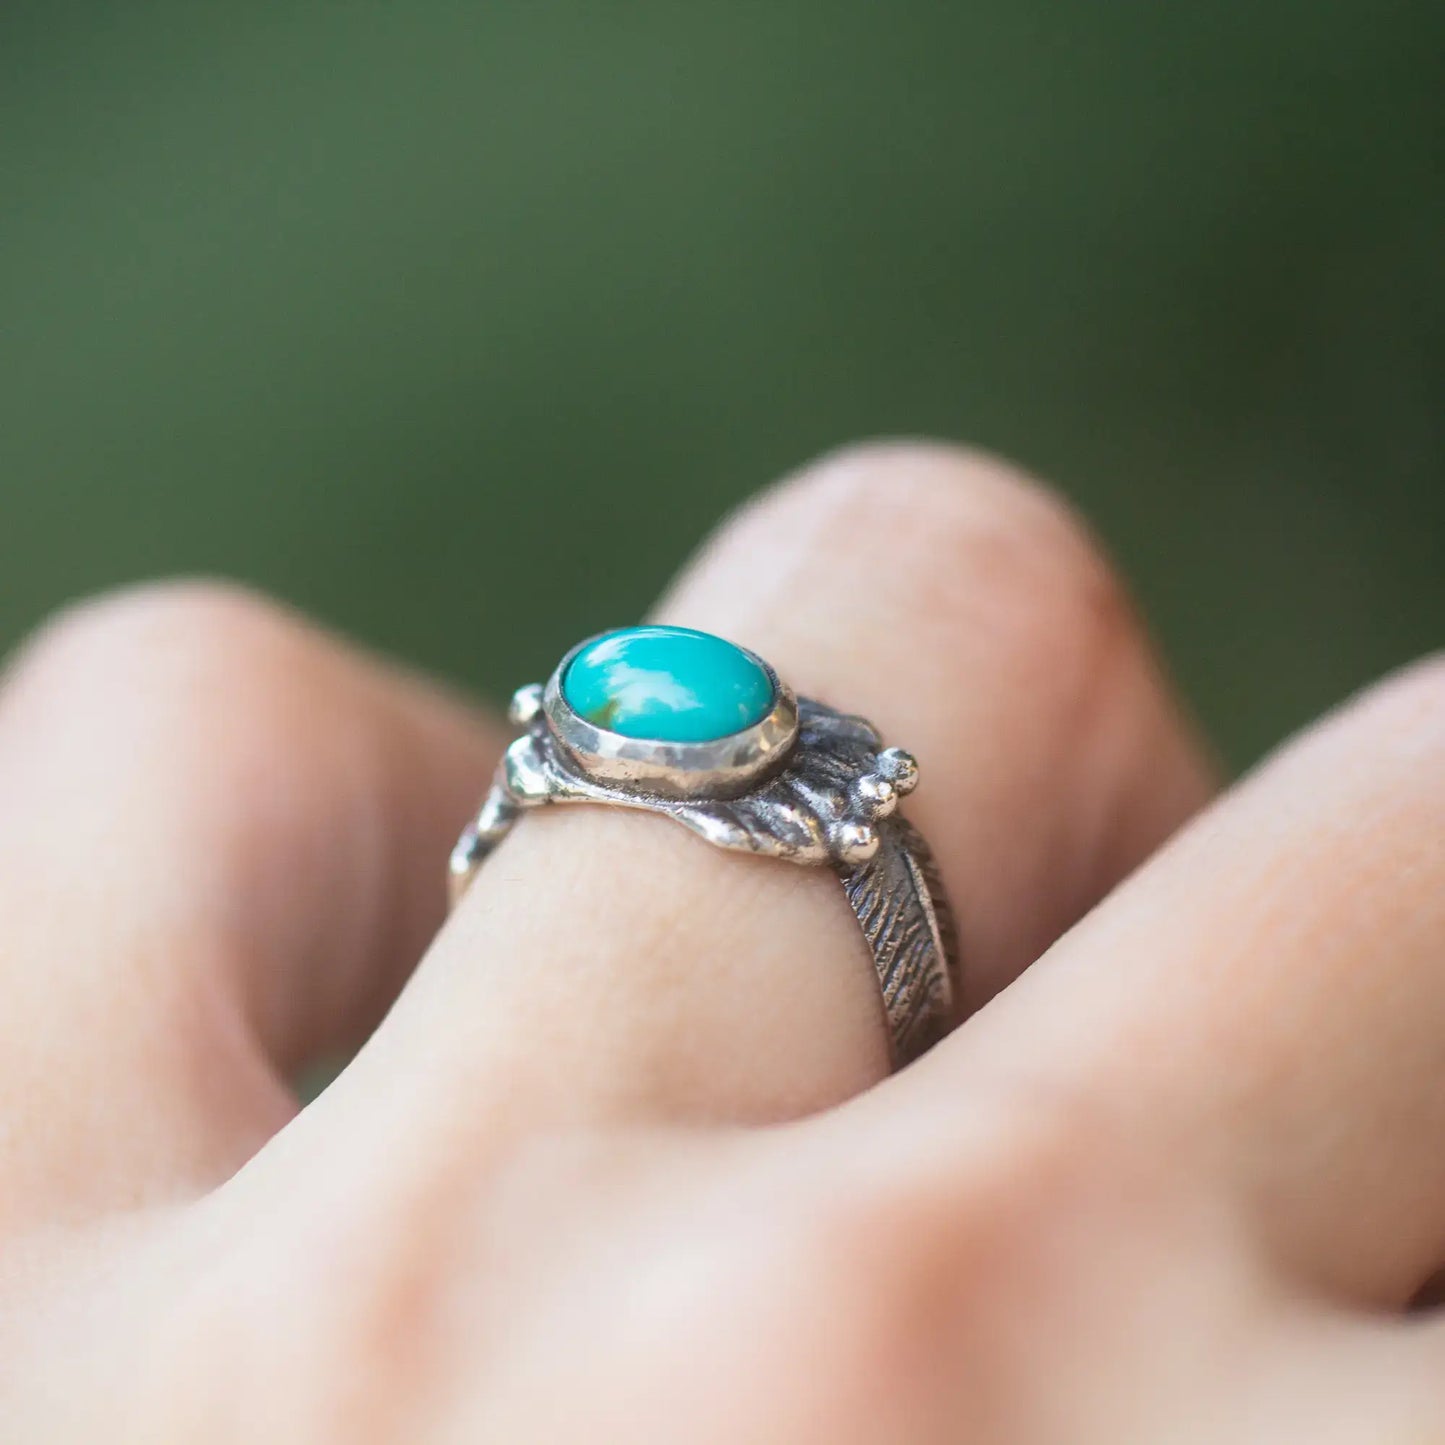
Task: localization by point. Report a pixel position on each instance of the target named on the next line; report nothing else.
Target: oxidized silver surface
(806, 784)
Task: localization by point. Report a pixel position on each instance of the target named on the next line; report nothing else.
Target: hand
(622, 1163)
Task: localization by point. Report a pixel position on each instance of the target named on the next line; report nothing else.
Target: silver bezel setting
(723, 767)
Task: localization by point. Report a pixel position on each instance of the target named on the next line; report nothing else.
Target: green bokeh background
(458, 323)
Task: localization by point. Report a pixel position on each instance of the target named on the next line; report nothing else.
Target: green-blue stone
(668, 684)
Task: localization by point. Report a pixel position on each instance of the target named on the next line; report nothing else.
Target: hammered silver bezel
(725, 767)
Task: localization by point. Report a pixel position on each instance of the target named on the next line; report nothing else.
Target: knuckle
(971, 537)
(977, 1204)
(161, 671)
(168, 700)
(1410, 705)
(975, 1248)
(1391, 739)
(342, 1310)
(886, 473)
(156, 621)
(391, 1275)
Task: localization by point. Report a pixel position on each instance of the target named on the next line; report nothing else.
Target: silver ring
(800, 781)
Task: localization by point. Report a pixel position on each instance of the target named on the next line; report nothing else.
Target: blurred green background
(458, 323)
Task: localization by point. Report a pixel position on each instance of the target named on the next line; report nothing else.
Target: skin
(622, 1163)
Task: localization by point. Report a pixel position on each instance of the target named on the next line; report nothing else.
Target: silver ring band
(803, 783)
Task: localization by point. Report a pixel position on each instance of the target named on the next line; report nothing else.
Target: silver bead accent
(525, 705)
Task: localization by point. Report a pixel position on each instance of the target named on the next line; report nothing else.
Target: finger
(219, 840)
(1265, 1001)
(607, 964)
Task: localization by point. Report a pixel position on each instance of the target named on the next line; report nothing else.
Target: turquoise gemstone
(668, 684)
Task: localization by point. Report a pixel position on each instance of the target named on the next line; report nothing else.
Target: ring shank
(903, 912)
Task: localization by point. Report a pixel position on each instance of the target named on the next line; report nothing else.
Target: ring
(682, 723)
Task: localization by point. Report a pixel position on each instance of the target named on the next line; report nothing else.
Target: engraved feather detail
(901, 907)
